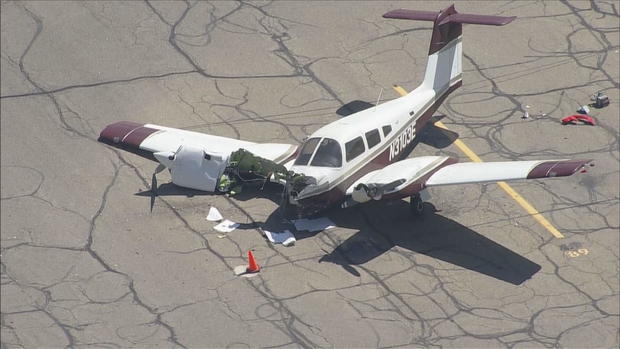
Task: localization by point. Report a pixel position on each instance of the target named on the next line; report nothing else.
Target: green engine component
(249, 165)
(245, 167)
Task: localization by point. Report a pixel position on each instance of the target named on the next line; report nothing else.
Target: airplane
(353, 160)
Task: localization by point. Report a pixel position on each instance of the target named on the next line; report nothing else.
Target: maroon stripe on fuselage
(337, 194)
(290, 157)
(556, 168)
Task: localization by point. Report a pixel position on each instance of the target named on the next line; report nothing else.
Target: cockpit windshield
(306, 151)
(329, 154)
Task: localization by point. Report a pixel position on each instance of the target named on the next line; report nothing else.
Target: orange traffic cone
(253, 266)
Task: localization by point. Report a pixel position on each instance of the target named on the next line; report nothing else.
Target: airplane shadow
(433, 235)
(353, 107)
(392, 225)
(271, 191)
(171, 189)
(437, 137)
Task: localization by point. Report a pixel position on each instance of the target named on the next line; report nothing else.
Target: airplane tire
(416, 205)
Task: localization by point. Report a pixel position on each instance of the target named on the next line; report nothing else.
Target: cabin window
(329, 154)
(373, 138)
(306, 151)
(386, 130)
(354, 148)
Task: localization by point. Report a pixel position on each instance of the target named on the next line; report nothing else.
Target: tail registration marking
(507, 188)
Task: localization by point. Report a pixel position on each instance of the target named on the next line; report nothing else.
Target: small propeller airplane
(352, 160)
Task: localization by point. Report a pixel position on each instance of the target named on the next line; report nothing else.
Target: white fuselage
(397, 123)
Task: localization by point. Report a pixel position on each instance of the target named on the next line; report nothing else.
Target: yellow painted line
(530, 209)
(508, 189)
(401, 91)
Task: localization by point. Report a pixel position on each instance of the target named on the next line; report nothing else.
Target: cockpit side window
(373, 138)
(386, 130)
(328, 154)
(354, 148)
(306, 151)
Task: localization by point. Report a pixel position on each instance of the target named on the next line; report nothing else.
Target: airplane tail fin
(444, 67)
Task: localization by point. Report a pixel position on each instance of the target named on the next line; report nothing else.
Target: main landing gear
(416, 204)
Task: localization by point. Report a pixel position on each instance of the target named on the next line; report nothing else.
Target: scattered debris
(583, 110)
(226, 226)
(285, 238)
(600, 100)
(526, 114)
(578, 117)
(313, 225)
(214, 215)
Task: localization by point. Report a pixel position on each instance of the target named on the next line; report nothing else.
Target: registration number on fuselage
(402, 141)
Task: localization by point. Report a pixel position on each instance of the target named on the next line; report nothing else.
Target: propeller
(158, 169)
(284, 200)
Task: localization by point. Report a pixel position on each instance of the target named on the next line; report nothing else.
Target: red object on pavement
(253, 267)
(579, 117)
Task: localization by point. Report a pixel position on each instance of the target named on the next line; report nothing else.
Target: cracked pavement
(85, 263)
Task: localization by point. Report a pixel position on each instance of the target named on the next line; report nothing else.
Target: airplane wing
(407, 177)
(195, 160)
(147, 139)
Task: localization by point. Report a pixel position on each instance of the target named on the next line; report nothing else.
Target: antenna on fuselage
(379, 98)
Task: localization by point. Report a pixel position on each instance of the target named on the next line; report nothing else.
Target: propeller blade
(283, 200)
(153, 190)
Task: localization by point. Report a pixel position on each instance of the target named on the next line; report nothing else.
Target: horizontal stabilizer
(453, 18)
(412, 14)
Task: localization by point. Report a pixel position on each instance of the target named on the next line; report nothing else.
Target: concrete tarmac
(85, 263)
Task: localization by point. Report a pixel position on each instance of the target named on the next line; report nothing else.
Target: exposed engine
(193, 167)
(245, 167)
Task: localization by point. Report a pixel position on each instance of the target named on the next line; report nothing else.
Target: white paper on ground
(226, 226)
(312, 225)
(214, 215)
(285, 238)
(289, 242)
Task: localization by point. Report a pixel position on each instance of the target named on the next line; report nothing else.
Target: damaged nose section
(312, 189)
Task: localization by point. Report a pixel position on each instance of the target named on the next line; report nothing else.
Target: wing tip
(557, 168)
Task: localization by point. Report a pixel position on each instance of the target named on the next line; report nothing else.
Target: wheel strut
(416, 204)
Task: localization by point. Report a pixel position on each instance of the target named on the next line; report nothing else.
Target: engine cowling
(193, 167)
